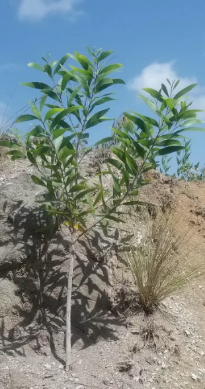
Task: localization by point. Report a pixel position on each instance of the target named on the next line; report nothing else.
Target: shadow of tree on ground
(42, 285)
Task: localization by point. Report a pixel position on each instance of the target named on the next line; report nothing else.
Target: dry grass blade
(162, 266)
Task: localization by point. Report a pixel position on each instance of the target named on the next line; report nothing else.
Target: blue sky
(152, 39)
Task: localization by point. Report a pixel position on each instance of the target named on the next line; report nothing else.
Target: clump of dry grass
(162, 267)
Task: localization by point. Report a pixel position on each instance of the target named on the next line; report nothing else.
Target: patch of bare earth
(162, 351)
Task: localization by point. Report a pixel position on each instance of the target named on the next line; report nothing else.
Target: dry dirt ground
(162, 351)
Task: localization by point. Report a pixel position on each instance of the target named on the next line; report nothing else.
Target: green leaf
(190, 122)
(176, 84)
(64, 124)
(101, 85)
(169, 103)
(59, 132)
(48, 70)
(99, 197)
(149, 103)
(52, 106)
(125, 179)
(36, 85)
(164, 88)
(120, 133)
(89, 51)
(101, 101)
(51, 94)
(139, 149)
(116, 186)
(104, 55)
(131, 162)
(134, 192)
(139, 122)
(120, 153)
(52, 112)
(62, 114)
(37, 131)
(101, 77)
(82, 80)
(58, 143)
(66, 142)
(111, 68)
(87, 73)
(66, 78)
(38, 181)
(25, 118)
(8, 143)
(84, 61)
(35, 110)
(190, 113)
(149, 120)
(35, 66)
(83, 193)
(73, 95)
(96, 118)
(78, 187)
(53, 63)
(104, 140)
(169, 150)
(65, 152)
(154, 93)
(61, 62)
(42, 102)
(42, 151)
(71, 174)
(118, 81)
(16, 154)
(184, 91)
(168, 142)
(114, 218)
(31, 158)
(84, 213)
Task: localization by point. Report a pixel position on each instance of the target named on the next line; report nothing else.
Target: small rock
(135, 331)
(124, 366)
(80, 387)
(150, 360)
(194, 377)
(105, 382)
(47, 366)
(187, 332)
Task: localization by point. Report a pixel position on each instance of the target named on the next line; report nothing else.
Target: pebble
(194, 377)
(187, 332)
(47, 366)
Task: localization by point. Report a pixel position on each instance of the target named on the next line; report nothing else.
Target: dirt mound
(114, 344)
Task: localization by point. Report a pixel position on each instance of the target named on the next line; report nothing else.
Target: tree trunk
(69, 301)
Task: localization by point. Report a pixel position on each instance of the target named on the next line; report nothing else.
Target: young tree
(185, 169)
(56, 146)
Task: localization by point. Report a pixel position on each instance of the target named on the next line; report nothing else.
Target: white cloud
(156, 73)
(35, 10)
